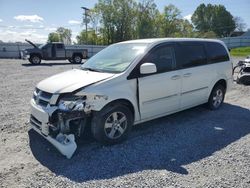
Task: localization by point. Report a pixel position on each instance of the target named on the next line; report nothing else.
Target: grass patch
(243, 51)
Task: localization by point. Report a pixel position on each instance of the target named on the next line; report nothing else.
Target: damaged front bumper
(41, 122)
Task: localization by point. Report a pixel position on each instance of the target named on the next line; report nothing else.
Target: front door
(46, 50)
(159, 93)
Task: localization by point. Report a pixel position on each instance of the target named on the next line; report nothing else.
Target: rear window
(216, 52)
(190, 55)
(59, 46)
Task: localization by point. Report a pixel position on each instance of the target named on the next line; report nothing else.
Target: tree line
(112, 21)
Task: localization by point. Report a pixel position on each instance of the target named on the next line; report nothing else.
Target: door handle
(187, 75)
(175, 77)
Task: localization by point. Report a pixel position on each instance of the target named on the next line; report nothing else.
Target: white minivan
(128, 83)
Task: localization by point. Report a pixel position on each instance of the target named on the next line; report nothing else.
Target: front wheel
(35, 59)
(77, 59)
(216, 97)
(112, 124)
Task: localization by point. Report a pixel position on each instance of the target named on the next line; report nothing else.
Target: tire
(35, 60)
(77, 59)
(112, 124)
(216, 97)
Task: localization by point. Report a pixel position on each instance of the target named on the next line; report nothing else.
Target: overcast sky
(34, 19)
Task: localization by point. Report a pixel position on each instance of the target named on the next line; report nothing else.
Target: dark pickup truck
(53, 51)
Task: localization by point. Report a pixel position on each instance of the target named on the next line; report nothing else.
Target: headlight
(71, 104)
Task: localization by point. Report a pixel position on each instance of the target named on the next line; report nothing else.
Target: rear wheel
(35, 59)
(77, 59)
(112, 124)
(216, 97)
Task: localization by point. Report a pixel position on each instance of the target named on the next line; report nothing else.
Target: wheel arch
(124, 102)
(76, 53)
(222, 82)
(37, 54)
(98, 123)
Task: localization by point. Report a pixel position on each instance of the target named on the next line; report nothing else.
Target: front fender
(98, 98)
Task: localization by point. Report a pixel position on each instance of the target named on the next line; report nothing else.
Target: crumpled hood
(71, 80)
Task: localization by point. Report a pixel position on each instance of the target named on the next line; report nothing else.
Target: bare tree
(239, 22)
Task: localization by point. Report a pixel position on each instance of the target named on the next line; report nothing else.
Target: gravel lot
(194, 148)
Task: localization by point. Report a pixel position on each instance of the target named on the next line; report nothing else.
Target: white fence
(12, 50)
(235, 42)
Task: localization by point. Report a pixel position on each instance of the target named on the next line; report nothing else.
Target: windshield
(115, 58)
(42, 45)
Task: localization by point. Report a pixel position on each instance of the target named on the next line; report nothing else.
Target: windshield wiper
(90, 69)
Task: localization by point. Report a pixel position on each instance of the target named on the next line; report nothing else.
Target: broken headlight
(70, 104)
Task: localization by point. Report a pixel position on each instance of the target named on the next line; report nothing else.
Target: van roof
(159, 40)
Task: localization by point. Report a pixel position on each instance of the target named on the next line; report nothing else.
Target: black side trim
(138, 96)
(158, 99)
(193, 90)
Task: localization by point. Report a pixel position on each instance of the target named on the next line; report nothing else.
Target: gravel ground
(194, 148)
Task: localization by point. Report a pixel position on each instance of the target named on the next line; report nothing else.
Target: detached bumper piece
(39, 120)
(65, 144)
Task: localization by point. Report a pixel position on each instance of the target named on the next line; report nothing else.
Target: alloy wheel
(217, 98)
(115, 125)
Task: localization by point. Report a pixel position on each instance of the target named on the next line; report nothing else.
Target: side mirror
(148, 68)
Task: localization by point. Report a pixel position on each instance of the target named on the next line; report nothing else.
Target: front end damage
(60, 119)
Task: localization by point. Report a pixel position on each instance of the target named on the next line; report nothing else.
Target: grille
(247, 69)
(42, 98)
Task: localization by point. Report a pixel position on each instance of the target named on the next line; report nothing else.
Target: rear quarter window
(216, 52)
